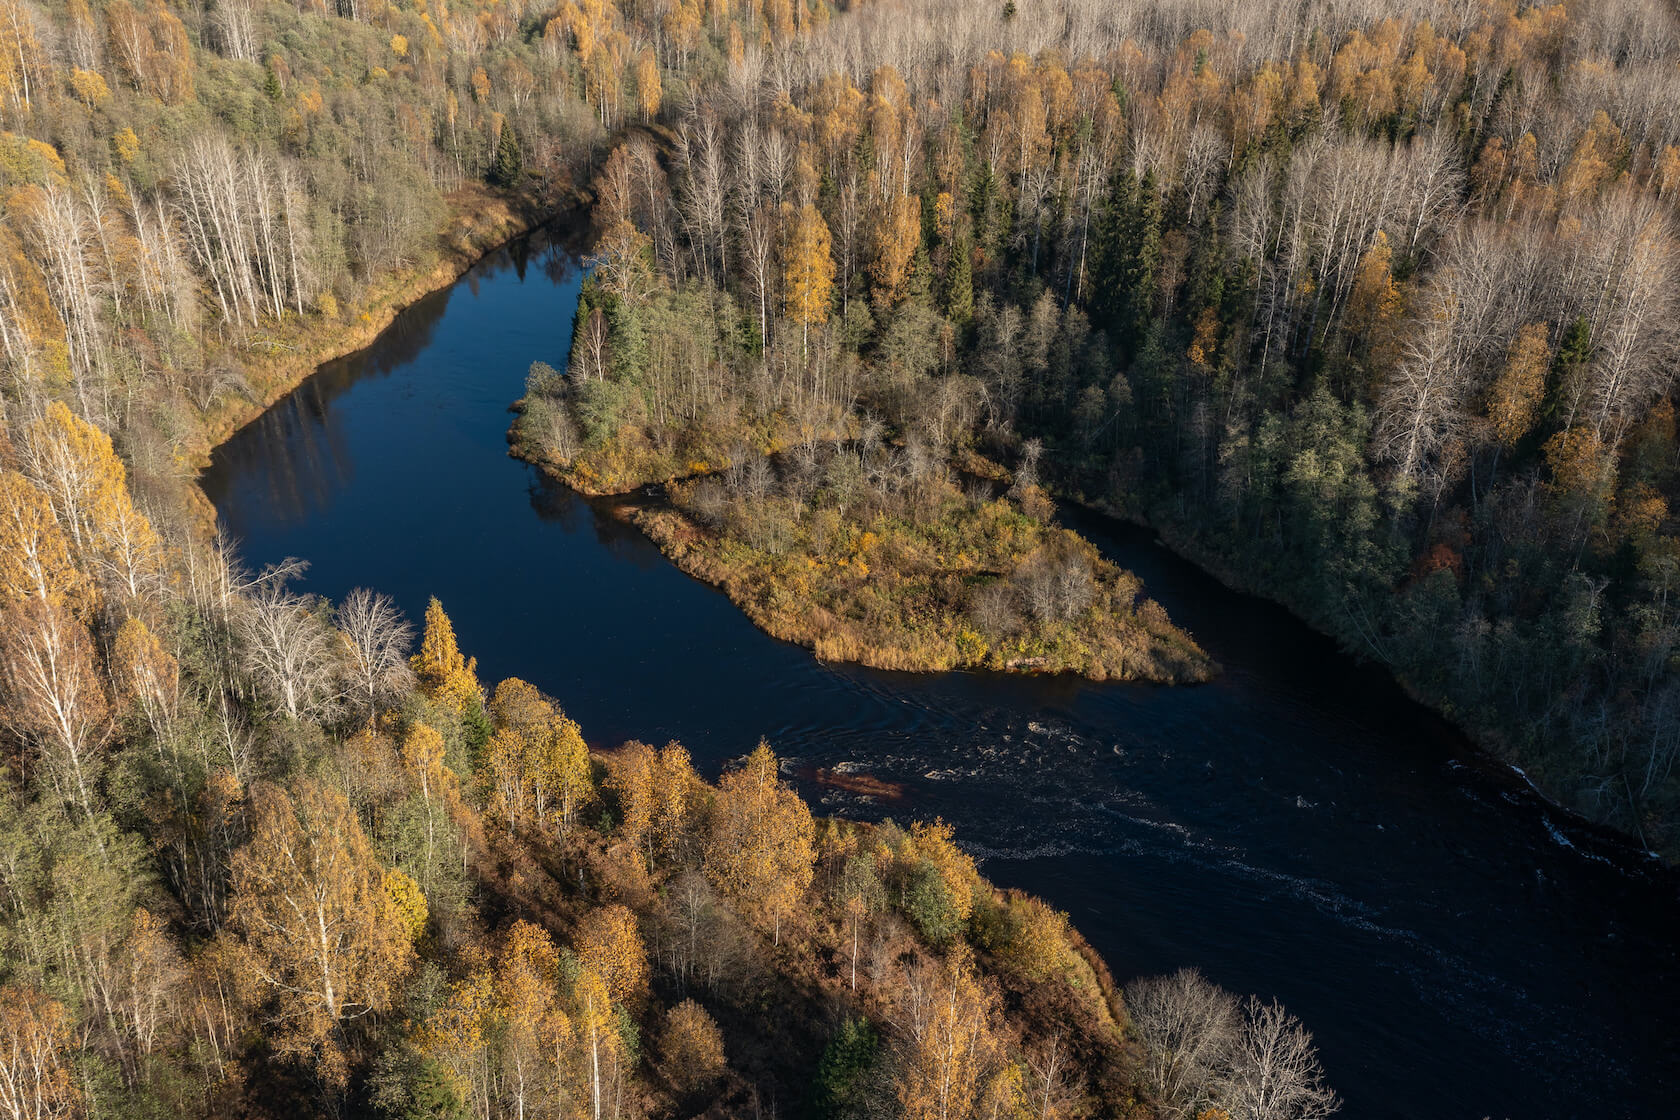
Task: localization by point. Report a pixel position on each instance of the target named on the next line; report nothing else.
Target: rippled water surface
(1296, 829)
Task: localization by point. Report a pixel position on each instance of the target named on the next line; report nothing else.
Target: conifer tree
(445, 675)
(509, 167)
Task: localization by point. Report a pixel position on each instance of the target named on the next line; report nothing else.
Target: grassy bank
(285, 353)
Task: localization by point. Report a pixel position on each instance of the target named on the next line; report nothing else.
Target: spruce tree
(510, 161)
(1142, 264)
(1110, 251)
(433, 1097)
(959, 285)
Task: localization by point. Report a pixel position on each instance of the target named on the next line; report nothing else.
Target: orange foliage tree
(609, 945)
(445, 675)
(34, 1049)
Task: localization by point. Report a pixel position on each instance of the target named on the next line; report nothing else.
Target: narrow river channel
(1296, 829)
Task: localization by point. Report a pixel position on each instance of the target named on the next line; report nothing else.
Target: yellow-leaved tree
(654, 791)
(949, 1051)
(85, 481)
(147, 676)
(444, 674)
(458, 1034)
(318, 930)
(897, 236)
(808, 270)
(535, 1033)
(35, 1077)
(410, 901)
(1514, 399)
(648, 91)
(609, 945)
(1375, 306)
(595, 1027)
(936, 845)
(760, 852)
(35, 560)
(691, 1047)
(537, 757)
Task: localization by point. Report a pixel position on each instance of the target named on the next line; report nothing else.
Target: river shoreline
(481, 221)
(1127, 638)
(1489, 752)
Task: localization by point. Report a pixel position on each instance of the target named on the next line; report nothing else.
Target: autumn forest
(1369, 308)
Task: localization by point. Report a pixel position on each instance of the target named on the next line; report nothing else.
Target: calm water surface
(1296, 829)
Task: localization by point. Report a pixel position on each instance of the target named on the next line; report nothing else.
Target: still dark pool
(1296, 829)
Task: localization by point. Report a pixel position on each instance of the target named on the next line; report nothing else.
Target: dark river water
(1296, 829)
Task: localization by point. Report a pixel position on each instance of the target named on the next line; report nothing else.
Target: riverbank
(287, 353)
(480, 221)
(1494, 753)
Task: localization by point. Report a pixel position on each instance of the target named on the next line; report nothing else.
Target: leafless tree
(1633, 253)
(1421, 413)
(1202, 1048)
(758, 259)
(290, 650)
(703, 190)
(235, 25)
(1189, 1028)
(1275, 1072)
(378, 637)
(54, 695)
(1074, 587)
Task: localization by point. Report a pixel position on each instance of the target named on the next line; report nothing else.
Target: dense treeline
(256, 859)
(1370, 306)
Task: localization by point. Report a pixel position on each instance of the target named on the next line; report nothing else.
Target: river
(1296, 829)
